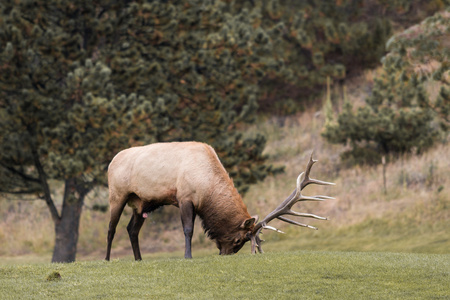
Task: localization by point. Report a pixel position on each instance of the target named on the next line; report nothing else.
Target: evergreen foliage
(319, 39)
(400, 115)
(81, 80)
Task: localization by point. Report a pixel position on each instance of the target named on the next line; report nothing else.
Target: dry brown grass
(412, 215)
(414, 210)
(25, 227)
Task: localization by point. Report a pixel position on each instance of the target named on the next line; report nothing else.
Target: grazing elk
(190, 176)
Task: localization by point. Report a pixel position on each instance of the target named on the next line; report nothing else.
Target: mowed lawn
(278, 275)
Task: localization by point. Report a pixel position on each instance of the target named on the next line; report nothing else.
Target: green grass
(276, 275)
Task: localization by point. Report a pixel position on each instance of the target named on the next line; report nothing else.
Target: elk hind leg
(133, 231)
(116, 212)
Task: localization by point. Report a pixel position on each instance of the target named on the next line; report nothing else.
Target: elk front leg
(133, 231)
(187, 219)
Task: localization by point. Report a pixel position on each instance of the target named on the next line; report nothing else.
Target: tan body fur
(188, 175)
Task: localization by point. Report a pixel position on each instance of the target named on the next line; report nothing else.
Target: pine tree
(317, 39)
(324, 38)
(81, 80)
(399, 115)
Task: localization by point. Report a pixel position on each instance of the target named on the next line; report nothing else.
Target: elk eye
(238, 241)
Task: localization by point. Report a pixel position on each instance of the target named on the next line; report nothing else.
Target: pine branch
(22, 192)
(21, 174)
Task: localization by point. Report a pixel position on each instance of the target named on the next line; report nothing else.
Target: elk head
(232, 243)
(285, 208)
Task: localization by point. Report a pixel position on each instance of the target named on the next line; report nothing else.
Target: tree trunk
(67, 227)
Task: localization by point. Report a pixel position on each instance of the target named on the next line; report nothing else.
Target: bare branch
(22, 192)
(21, 174)
(43, 180)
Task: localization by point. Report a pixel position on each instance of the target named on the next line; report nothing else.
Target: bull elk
(190, 176)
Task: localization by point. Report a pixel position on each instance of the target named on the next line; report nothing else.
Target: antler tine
(304, 215)
(308, 180)
(302, 183)
(256, 243)
(273, 228)
(315, 198)
(284, 208)
(296, 223)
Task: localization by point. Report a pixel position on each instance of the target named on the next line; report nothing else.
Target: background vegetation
(409, 102)
(82, 80)
(411, 216)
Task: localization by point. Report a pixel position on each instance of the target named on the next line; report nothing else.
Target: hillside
(410, 216)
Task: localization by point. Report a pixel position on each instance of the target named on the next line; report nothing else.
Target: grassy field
(409, 215)
(276, 275)
(380, 242)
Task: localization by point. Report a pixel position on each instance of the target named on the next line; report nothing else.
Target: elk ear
(256, 217)
(248, 223)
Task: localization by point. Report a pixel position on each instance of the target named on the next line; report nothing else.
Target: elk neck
(223, 211)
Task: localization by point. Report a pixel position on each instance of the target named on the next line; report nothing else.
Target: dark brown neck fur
(223, 213)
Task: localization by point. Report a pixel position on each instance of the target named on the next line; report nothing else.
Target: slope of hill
(409, 214)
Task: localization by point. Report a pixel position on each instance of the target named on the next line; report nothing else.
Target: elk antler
(285, 208)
